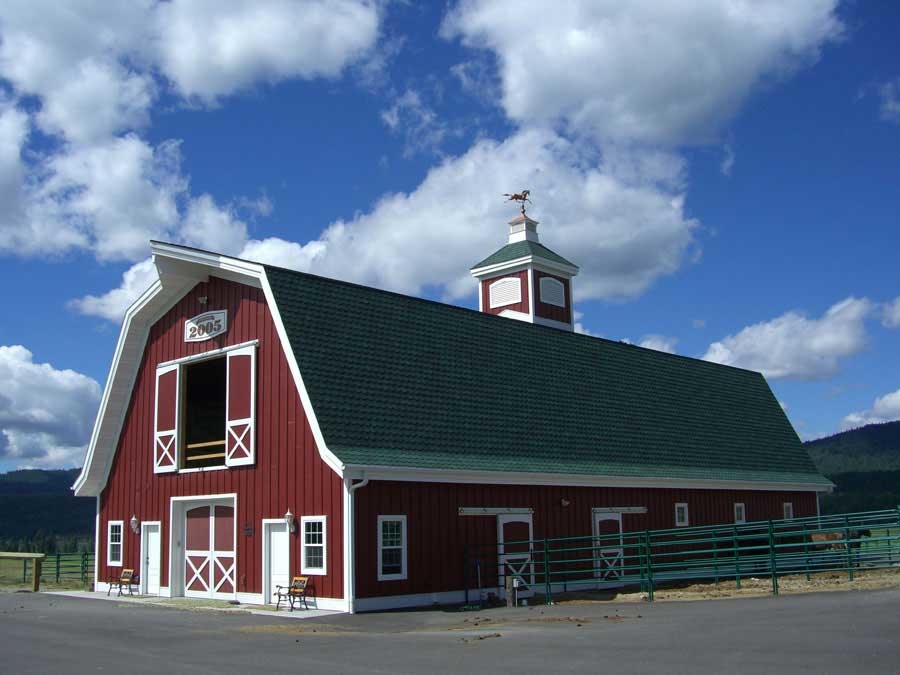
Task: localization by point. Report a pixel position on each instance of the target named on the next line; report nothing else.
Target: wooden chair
(298, 590)
(127, 579)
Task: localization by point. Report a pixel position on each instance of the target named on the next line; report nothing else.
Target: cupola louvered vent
(507, 291)
(553, 292)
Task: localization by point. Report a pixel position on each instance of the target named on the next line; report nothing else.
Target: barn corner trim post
(349, 538)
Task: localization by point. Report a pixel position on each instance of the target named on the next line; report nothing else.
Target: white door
(276, 569)
(608, 547)
(150, 545)
(514, 553)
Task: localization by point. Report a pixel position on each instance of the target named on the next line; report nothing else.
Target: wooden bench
(126, 580)
(299, 589)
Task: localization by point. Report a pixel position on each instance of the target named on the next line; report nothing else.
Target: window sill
(202, 468)
(313, 571)
(392, 577)
(113, 564)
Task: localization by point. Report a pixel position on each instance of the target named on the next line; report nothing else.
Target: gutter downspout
(350, 539)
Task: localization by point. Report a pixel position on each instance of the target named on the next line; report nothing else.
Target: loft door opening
(204, 413)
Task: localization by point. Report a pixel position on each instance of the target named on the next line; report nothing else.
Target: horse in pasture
(835, 540)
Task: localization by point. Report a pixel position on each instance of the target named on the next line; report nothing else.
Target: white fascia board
(180, 268)
(546, 265)
(393, 473)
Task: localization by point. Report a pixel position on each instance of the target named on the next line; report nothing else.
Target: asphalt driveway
(857, 632)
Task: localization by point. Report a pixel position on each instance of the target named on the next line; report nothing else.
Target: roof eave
(524, 260)
(397, 473)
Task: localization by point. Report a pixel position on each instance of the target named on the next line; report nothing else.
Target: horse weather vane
(519, 197)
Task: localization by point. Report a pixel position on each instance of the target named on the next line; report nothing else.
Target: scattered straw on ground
(750, 587)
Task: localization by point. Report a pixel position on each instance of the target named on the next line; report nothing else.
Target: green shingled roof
(520, 249)
(404, 382)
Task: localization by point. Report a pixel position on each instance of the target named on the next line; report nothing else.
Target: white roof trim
(180, 269)
(563, 479)
(537, 261)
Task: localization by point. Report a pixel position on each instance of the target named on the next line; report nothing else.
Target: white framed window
(740, 513)
(506, 291)
(681, 514)
(788, 509)
(114, 542)
(391, 548)
(552, 291)
(312, 547)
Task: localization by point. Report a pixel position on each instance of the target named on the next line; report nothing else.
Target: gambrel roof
(397, 381)
(397, 387)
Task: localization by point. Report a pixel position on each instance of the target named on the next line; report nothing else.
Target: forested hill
(864, 465)
(37, 505)
(874, 447)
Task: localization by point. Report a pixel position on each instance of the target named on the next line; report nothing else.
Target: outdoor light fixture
(564, 502)
(290, 521)
(202, 299)
(135, 525)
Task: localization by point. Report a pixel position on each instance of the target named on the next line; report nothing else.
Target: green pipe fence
(713, 553)
(63, 567)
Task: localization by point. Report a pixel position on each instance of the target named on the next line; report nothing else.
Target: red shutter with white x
(240, 409)
(165, 434)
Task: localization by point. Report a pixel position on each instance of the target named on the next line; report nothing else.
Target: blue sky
(725, 174)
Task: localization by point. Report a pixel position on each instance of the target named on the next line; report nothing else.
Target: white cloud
(95, 72)
(727, 160)
(890, 100)
(419, 124)
(110, 198)
(661, 343)
(211, 227)
(112, 305)
(795, 346)
(14, 129)
(624, 235)
(580, 327)
(643, 70)
(890, 313)
(211, 48)
(99, 101)
(73, 59)
(46, 414)
(885, 409)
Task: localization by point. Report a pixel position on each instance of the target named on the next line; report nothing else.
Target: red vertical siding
(548, 311)
(438, 535)
(288, 473)
(523, 306)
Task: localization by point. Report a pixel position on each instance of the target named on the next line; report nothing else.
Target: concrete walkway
(198, 604)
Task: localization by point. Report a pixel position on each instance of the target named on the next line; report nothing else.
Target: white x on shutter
(165, 427)
(240, 408)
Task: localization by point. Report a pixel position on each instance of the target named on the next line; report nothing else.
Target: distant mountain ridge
(874, 447)
(35, 500)
(864, 465)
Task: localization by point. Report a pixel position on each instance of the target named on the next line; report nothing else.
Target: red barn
(259, 423)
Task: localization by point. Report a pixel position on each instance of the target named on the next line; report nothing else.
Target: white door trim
(611, 557)
(520, 564)
(145, 527)
(266, 569)
(178, 506)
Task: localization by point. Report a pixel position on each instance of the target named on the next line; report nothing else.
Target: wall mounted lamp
(135, 524)
(290, 521)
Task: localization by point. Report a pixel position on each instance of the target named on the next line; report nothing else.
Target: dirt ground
(750, 587)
